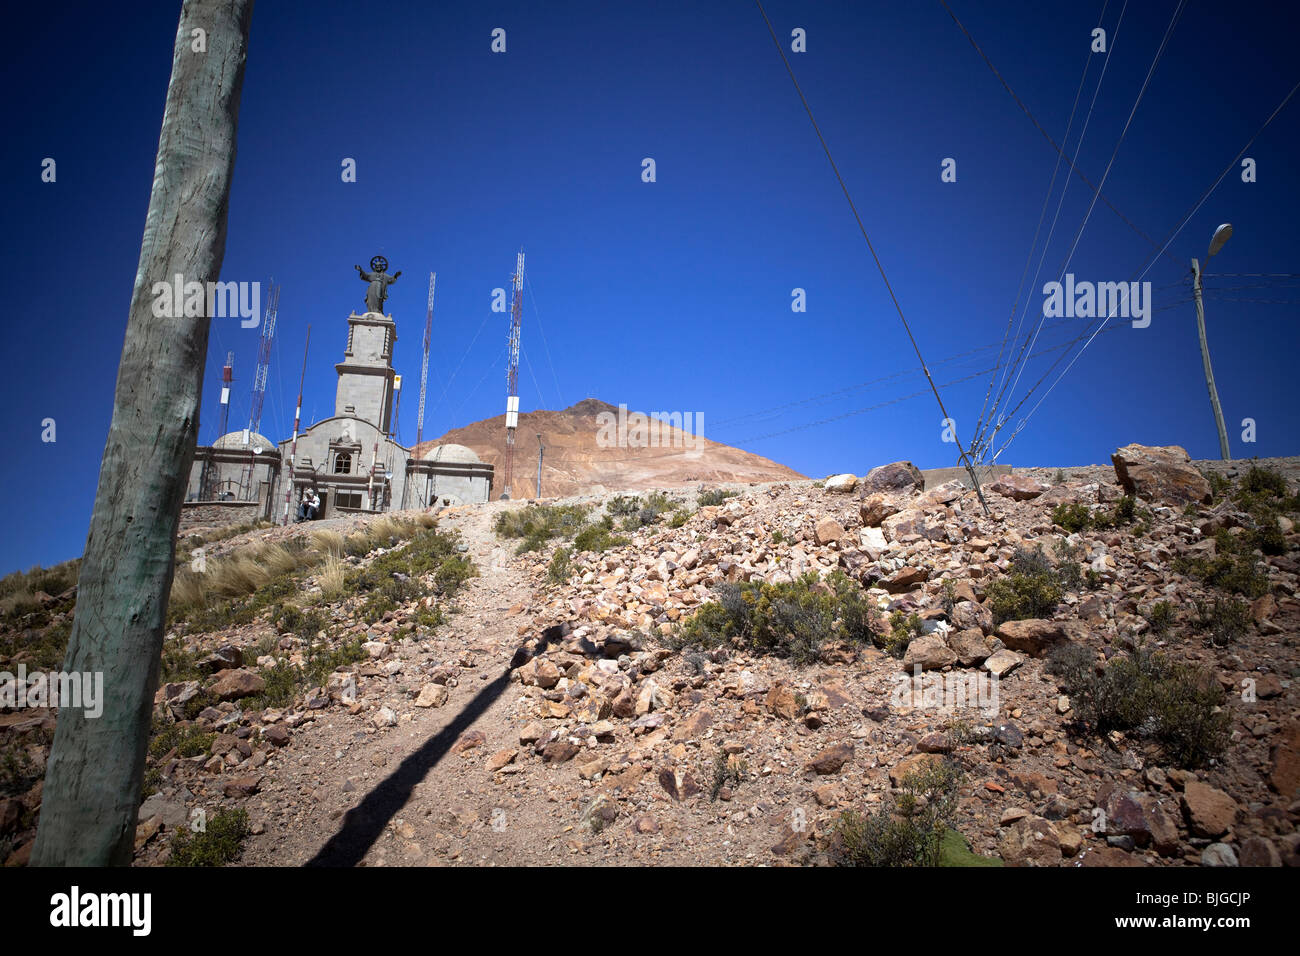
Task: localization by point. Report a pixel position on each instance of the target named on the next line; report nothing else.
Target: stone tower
(365, 387)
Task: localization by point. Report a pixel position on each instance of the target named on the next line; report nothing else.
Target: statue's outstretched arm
(396, 274)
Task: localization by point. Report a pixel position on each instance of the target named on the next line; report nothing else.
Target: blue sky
(673, 295)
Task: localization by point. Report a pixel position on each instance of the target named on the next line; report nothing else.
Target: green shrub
(1224, 619)
(1177, 705)
(220, 842)
(903, 629)
(1160, 617)
(907, 829)
(1233, 568)
(1030, 589)
(561, 567)
(714, 496)
(728, 769)
(792, 619)
(453, 573)
(1072, 516)
(598, 537)
(537, 524)
(189, 740)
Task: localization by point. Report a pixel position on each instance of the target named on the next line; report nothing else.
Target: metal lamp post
(1221, 235)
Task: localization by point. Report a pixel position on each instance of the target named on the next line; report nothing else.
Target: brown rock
(468, 741)
(1284, 776)
(929, 653)
(831, 759)
(1019, 487)
(970, 646)
(233, 684)
(1257, 851)
(896, 476)
(560, 751)
(1210, 812)
(780, 701)
(917, 762)
(971, 614)
(1036, 636)
(242, 786)
(678, 782)
(876, 508)
(1162, 474)
(827, 530)
(500, 759)
(905, 579)
(1030, 841)
(694, 726)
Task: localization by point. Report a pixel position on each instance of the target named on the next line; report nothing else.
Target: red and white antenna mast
(512, 375)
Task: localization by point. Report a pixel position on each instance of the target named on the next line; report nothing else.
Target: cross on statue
(379, 280)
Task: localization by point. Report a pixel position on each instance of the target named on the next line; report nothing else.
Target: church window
(342, 463)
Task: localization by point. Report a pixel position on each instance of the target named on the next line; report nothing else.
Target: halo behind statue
(378, 264)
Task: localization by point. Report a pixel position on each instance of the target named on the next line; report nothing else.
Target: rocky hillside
(1100, 673)
(576, 463)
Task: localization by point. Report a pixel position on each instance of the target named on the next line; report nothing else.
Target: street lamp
(1221, 235)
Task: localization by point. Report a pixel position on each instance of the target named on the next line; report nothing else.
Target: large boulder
(1160, 474)
(1036, 636)
(929, 653)
(1019, 487)
(896, 476)
(843, 484)
(1210, 812)
(875, 508)
(1031, 841)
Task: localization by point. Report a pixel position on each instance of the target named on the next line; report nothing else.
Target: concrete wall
(209, 514)
(321, 442)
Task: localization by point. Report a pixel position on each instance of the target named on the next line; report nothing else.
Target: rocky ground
(554, 723)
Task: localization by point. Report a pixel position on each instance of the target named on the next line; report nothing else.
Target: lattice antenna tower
(512, 374)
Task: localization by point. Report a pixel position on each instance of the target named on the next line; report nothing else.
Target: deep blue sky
(673, 295)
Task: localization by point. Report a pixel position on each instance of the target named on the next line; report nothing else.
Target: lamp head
(1221, 235)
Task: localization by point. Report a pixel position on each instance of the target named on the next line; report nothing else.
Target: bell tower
(365, 388)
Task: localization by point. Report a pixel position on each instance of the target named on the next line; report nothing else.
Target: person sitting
(308, 505)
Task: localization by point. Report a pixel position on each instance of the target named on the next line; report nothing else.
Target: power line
(1173, 23)
(1160, 251)
(1039, 126)
(537, 315)
(1042, 214)
(884, 278)
(981, 423)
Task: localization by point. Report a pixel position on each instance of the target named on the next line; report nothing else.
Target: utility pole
(1221, 235)
(540, 449)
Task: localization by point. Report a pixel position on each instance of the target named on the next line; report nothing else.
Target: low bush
(219, 843)
(793, 619)
(908, 829)
(1177, 705)
(1031, 588)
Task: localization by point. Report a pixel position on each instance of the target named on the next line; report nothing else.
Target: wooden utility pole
(96, 765)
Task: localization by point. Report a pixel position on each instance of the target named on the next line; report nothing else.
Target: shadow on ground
(364, 823)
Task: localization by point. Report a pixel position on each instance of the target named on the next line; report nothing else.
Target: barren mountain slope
(574, 462)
